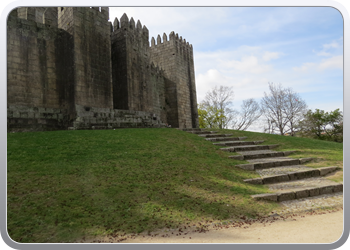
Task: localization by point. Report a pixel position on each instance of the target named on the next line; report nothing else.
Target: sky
(249, 47)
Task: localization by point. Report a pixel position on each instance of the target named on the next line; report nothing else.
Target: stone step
(190, 129)
(249, 155)
(238, 143)
(227, 138)
(298, 174)
(249, 148)
(215, 135)
(202, 132)
(300, 189)
(272, 163)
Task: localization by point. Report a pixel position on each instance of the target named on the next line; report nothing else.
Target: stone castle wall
(92, 51)
(175, 56)
(69, 67)
(39, 74)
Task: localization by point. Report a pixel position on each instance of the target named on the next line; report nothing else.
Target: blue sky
(248, 47)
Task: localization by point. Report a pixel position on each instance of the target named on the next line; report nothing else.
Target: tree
(322, 125)
(217, 104)
(216, 111)
(208, 117)
(250, 113)
(282, 108)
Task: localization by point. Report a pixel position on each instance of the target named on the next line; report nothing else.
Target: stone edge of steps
(298, 194)
(292, 176)
(226, 138)
(231, 142)
(270, 155)
(260, 165)
(259, 147)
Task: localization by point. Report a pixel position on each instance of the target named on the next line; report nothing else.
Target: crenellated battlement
(173, 39)
(129, 25)
(155, 69)
(69, 61)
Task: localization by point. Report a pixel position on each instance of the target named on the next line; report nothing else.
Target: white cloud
(335, 62)
(333, 44)
(332, 48)
(270, 55)
(305, 67)
(247, 64)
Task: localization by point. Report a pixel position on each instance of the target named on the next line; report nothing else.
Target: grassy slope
(65, 185)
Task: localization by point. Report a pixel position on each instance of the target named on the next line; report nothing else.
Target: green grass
(66, 185)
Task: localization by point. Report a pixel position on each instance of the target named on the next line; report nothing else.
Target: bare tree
(219, 99)
(250, 113)
(282, 108)
(294, 109)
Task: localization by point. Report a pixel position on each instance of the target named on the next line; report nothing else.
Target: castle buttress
(70, 68)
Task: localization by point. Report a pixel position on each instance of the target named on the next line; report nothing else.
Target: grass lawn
(66, 185)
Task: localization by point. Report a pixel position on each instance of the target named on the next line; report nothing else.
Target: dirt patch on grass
(313, 227)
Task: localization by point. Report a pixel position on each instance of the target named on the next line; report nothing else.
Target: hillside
(66, 185)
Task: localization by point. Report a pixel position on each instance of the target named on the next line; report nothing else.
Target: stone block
(326, 170)
(286, 196)
(304, 160)
(293, 176)
(246, 166)
(269, 197)
(289, 162)
(16, 114)
(314, 191)
(264, 165)
(255, 181)
(326, 190)
(338, 188)
(237, 157)
(302, 194)
(49, 110)
(306, 174)
(275, 179)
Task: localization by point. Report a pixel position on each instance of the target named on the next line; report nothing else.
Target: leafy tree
(209, 117)
(282, 108)
(216, 105)
(322, 125)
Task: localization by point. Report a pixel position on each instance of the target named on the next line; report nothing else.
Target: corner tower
(92, 49)
(132, 88)
(175, 57)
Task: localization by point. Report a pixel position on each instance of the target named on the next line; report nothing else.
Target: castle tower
(132, 88)
(92, 49)
(175, 57)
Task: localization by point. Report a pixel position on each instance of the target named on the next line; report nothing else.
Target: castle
(70, 68)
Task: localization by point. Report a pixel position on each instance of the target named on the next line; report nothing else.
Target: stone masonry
(69, 67)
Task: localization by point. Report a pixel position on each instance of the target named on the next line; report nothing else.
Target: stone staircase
(288, 179)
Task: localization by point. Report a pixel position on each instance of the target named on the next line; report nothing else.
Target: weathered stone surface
(304, 160)
(269, 197)
(286, 153)
(62, 58)
(286, 196)
(246, 166)
(275, 179)
(305, 174)
(314, 191)
(326, 190)
(302, 194)
(237, 157)
(257, 181)
(338, 188)
(326, 170)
